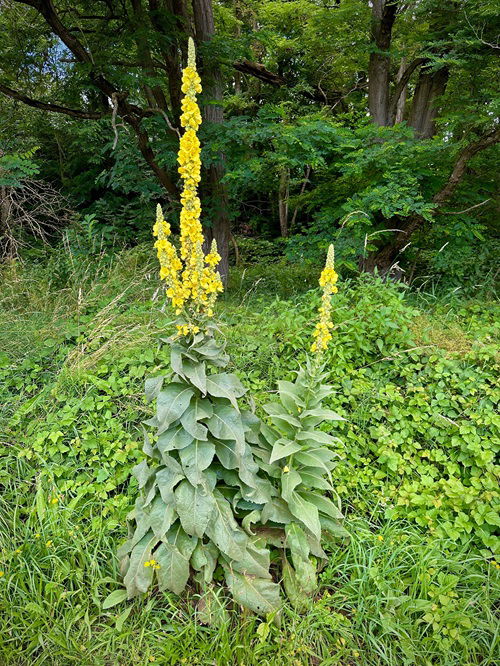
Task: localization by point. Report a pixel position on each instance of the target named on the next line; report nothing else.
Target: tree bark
(404, 74)
(220, 228)
(283, 192)
(425, 105)
(383, 17)
(384, 258)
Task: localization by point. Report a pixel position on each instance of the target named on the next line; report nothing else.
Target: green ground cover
(415, 376)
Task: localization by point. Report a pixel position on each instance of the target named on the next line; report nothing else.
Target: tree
(122, 63)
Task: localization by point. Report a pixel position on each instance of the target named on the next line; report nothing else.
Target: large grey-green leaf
(314, 478)
(305, 512)
(166, 479)
(203, 408)
(289, 481)
(195, 458)
(196, 373)
(290, 395)
(270, 435)
(319, 457)
(178, 538)
(224, 531)
(255, 560)
(286, 423)
(195, 507)
(293, 589)
(276, 511)
(333, 527)
(171, 404)
(173, 573)
(225, 385)
(296, 540)
(142, 473)
(189, 421)
(175, 437)
(259, 594)
(226, 424)
(153, 387)
(284, 448)
(315, 437)
(204, 559)
(313, 417)
(228, 454)
(324, 504)
(161, 517)
(138, 577)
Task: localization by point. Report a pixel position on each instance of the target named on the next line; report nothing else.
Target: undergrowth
(418, 582)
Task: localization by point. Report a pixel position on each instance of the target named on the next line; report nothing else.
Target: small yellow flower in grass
(54, 500)
(37, 535)
(2, 573)
(152, 658)
(49, 543)
(380, 537)
(18, 550)
(327, 281)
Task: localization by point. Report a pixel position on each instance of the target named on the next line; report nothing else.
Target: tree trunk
(383, 17)
(425, 105)
(213, 113)
(7, 250)
(384, 258)
(401, 102)
(283, 201)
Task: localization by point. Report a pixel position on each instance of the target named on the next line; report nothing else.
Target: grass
(77, 339)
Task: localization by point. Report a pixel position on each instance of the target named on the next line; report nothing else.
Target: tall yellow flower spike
(328, 279)
(192, 280)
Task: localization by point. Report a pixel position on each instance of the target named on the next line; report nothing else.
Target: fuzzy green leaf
(259, 594)
(173, 573)
(284, 448)
(171, 404)
(167, 479)
(174, 438)
(195, 507)
(226, 423)
(138, 577)
(225, 385)
(196, 373)
(224, 531)
(153, 387)
(306, 512)
(195, 458)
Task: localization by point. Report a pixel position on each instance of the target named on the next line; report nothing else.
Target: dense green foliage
(414, 380)
(306, 153)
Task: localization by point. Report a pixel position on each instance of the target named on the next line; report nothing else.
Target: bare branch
(48, 106)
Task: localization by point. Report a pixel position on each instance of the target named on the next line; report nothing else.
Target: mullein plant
(299, 457)
(200, 478)
(218, 489)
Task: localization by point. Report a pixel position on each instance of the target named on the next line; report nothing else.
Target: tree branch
(463, 158)
(48, 106)
(401, 85)
(259, 71)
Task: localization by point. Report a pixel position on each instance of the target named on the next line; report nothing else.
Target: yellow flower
(192, 281)
(327, 281)
(152, 563)
(2, 574)
(49, 543)
(54, 500)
